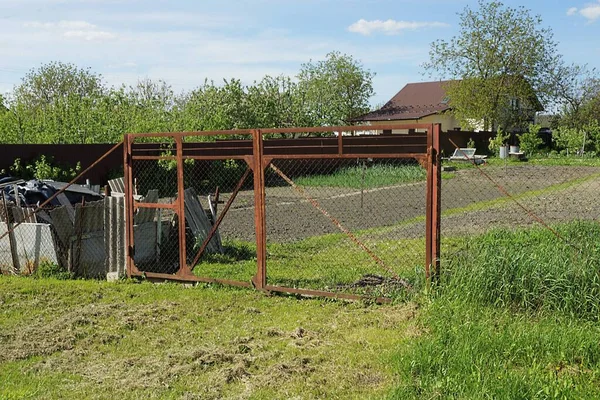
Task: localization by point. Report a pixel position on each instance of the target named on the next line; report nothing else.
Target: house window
(515, 104)
(387, 131)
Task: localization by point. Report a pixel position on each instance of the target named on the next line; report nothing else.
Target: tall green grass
(515, 317)
(480, 352)
(531, 270)
(357, 177)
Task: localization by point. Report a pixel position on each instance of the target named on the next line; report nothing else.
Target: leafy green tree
(335, 90)
(55, 104)
(150, 106)
(499, 59)
(577, 94)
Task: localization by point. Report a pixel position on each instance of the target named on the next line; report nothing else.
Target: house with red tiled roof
(416, 103)
(427, 103)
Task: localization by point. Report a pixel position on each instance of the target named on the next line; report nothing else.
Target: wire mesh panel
(155, 227)
(516, 196)
(345, 225)
(220, 217)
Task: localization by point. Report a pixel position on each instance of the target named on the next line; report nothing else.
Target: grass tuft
(531, 270)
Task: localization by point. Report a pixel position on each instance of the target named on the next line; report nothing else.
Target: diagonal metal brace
(215, 226)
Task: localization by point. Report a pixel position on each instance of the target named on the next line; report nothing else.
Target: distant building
(416, 103)
(427, 103)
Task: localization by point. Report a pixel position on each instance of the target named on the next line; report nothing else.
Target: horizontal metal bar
(223, 157)
(345, 128)
(322, 293)
(172, 206)
(195, 133)
(191, 278)
(266, 131)
(153, 157)
(348, 156)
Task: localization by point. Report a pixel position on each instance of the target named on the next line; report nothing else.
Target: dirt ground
(290, 216)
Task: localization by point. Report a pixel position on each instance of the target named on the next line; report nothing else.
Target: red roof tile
(414, 101)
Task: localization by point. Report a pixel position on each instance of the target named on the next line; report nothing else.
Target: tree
(334, 91)
(500, 56)
(55, 104)
(577, 91)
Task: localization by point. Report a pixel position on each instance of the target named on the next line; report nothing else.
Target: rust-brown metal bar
(312, 129)
(191, 278)
(72, 181)
(260, 226)
(428, 207)
(129, 209)
(215, 226)
(436, 207)
(183, 268)
(322, 293)
(305, 156)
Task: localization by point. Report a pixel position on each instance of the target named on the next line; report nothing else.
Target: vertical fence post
(436, 201)
(11, 237)
(429, 206)
(183, 268)
(260, 279)
(128, 182)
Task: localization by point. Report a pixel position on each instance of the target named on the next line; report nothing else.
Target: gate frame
(257, 161)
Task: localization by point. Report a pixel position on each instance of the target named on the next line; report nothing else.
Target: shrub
(530, 141)
(498, 141)
(48, 269)
(44, 168)
(568, 140)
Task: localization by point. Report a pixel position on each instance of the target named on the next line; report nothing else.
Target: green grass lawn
(540, 160)
(88, 339)
(329, 262)
(515, 316)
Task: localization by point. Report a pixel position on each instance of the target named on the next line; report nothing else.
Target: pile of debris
(83, 230)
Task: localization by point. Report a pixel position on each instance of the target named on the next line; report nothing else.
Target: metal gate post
(428, 205)
(128, 183)
(436, 201)
(183, 268)
(260, 226)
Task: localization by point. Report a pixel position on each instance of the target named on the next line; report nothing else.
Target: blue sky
(184, 42)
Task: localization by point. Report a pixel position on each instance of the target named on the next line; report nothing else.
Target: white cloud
(76, 25)
(59, 25)
(73, 29)
(391, 27)
(89, 35)
(590, 11)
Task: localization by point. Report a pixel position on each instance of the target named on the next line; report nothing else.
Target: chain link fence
(346, 225)
(512, 195)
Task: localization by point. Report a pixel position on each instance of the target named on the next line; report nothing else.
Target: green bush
(568, 140)
(498, 141)
(48, 269)
(530, 141)
(44, 168)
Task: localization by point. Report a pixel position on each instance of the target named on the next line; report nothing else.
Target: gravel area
(290, 216)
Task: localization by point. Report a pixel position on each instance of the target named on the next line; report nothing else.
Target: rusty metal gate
(169, 175)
